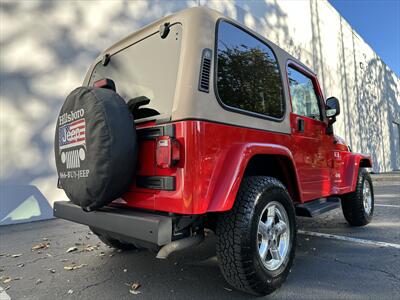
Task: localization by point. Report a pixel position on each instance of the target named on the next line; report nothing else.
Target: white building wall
(46, 48)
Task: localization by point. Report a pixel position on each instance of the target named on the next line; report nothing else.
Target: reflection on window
(304, 98)
(248, 75)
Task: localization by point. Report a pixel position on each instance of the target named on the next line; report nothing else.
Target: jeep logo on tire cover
(72, 141)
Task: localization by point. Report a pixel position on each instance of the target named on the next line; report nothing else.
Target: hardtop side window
(303, 95)
(248, 76)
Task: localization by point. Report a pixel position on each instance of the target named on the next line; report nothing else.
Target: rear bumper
(132, 225)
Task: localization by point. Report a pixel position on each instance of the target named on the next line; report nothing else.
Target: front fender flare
(352, 165)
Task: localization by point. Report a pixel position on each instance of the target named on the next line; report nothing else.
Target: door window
(304, 98)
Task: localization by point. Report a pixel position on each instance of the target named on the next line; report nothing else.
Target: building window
(303, 95)
(248, 76)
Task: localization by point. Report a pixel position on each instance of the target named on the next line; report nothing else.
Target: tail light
(167, 152)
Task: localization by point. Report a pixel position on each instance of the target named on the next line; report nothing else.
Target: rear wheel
(358, 206)
(256, 239)
(113, 243)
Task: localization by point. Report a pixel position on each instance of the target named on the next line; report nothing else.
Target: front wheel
(358, 206)
(256, 239)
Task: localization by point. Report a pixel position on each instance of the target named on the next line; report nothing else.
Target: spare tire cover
(95, 147)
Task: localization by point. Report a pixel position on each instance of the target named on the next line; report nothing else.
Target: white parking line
(3, 294)
(387, 196)
(349, 239)
(387, 205)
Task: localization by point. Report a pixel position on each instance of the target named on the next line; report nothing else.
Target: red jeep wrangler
(197, 122)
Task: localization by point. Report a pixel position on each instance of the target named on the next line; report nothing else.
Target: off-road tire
(113, 243)
(352, 203)
(237, 248)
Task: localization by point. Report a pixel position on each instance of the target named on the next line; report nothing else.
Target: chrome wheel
(367, 197)
(273, 235)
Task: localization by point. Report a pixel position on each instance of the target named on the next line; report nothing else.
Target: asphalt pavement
(333, 261)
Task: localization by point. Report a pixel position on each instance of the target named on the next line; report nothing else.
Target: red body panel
(214, 158)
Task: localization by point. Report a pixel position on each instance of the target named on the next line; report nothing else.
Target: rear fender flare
(232, 170)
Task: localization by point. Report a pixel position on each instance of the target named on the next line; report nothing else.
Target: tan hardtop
(199, 28)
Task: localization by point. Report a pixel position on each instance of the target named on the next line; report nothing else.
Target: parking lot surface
(333, 261)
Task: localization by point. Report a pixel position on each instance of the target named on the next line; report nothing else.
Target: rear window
(147, 68)
(248, 76)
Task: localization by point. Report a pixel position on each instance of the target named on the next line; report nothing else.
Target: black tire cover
(95, 147)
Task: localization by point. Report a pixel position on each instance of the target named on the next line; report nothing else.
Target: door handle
(300, 125)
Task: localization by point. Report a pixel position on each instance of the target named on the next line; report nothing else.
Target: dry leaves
(89, 248)
(134, 288)
(72, 249)
(51, 270)
(43, 245)
(39, 281)
(6, 279)
(20, 265)
(73, 266)
(16, 255)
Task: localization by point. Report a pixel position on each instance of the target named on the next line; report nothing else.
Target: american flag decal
(72, 134)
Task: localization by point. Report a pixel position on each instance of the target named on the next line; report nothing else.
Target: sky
(378, 23)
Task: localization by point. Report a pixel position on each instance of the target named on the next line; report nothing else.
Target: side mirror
(332, 107)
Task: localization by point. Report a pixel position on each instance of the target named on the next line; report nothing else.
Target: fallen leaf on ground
(134, 288)
(39, 281)
(70, 292)
(43, 245)
(49, 255)
(20, 265)
(7, 287)
(16, 255)
(5, 279)
(51, 270)
(74, 267)
(88, 248)
(71, 249)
